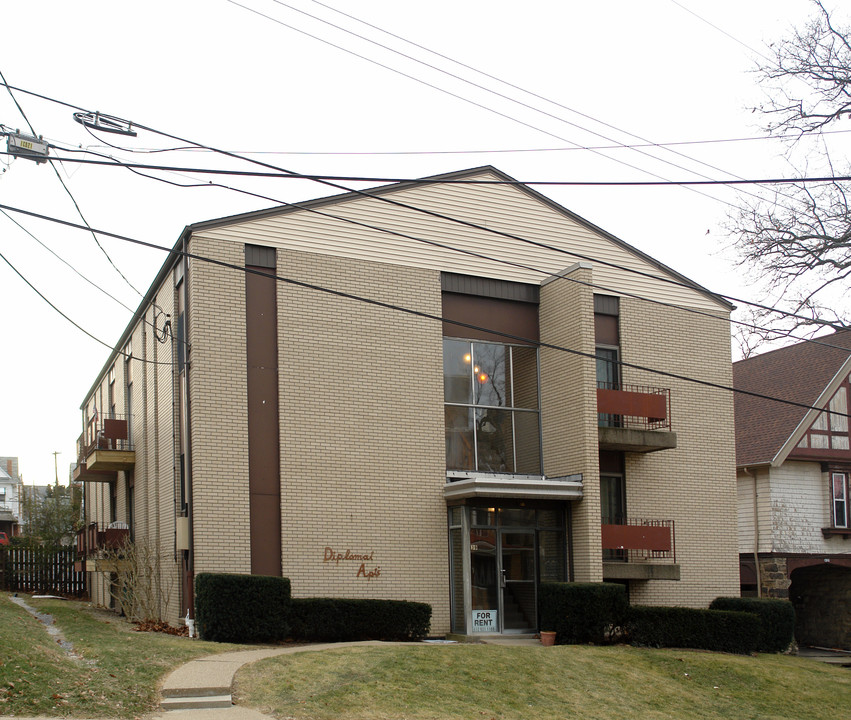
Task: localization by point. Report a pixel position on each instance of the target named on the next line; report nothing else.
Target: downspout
(190, 555)
(755, 532)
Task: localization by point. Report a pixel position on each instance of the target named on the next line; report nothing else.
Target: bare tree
(797, 244)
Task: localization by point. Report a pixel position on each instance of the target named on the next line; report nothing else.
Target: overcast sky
(220, 74)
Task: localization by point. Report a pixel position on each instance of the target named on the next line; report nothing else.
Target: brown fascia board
(458, 175)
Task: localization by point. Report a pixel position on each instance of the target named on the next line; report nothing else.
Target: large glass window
(491, 412)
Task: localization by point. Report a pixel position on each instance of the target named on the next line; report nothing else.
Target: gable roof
(266, 226)
(800, 373)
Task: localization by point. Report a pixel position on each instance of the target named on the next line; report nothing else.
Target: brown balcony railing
(92, 540)
(637, 539)
(105, 432)
(634, 406)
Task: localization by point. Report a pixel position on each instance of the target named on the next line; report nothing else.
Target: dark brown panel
(264, 479)
(265, 534)
(606, 330)
(606, 305)
(611, 462)
(516, 319)
(488, 287)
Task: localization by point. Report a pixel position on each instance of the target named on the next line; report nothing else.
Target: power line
(431, 213)
(484, 151)
(545, 273)
(415, 313)
(464, 98)
(68, 190)
(293, 175)
(97, 287)
(66, 317)
(689, 186)
(515, 87)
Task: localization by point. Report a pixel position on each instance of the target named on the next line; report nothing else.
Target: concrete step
(195, 691)
(196, 702)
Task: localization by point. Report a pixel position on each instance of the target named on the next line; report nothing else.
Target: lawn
(446, 682)
(120, 670)
(118, 674)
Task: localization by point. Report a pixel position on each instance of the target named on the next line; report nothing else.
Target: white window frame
(839, 500)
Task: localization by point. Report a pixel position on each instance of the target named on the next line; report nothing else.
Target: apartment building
(10, 496)
(794, 464)
(446, 390)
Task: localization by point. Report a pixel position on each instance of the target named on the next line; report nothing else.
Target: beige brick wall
(362, 446)
(219, 409)
(694, 484)
(152, 433)
(569, 408)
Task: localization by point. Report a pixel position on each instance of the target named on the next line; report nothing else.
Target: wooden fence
(44, 570)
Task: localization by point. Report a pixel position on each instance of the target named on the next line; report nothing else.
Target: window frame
(840, 523)
(512, 409)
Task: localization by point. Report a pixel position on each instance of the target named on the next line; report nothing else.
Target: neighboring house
(418, 409)
(794, 466)
(10, 496)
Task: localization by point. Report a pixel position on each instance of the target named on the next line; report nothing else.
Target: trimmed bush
(242, 608)
(778, 619)
(582, 612)
(718, 630)
(338, 619)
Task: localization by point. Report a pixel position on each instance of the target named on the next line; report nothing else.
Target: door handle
(502, 578)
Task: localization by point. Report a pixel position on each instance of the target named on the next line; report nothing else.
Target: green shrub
(778, 619)
(582, 612)
(338, 619)
(718, 630)
(242, 608)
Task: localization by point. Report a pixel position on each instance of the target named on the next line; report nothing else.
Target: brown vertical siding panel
(264, 480)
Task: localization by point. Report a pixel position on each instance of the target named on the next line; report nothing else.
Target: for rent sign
(484, 621)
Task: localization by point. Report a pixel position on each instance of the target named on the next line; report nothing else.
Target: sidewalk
(201, 689)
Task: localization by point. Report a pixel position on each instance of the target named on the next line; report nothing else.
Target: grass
(119, 673)
(121, 669)
(503, 683)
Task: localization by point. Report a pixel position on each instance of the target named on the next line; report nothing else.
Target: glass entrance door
(517, 571)
(502, 569)
(497, 557)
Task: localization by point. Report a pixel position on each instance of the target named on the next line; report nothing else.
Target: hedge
(338, 619)
(778, 619)
(242, 608)
(254, 608)
(718, 630)
(582, 612)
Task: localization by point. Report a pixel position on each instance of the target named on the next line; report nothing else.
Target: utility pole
(56, 467)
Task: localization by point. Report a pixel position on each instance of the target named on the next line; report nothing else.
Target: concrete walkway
(201, 689)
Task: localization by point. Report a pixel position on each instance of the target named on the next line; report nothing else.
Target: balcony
(104, 447)
(639, 549)
(94, 545)
(634, 418)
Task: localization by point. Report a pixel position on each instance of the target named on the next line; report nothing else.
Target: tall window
(839, 497)
(491, 407)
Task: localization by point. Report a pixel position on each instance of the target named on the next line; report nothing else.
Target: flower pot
(548, 638)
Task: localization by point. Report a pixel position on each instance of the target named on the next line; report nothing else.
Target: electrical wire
(83, 277)
(412, 312)
(293, 175)
(68, 190)
(750, 325)
(514, 87)
(492, 151)
(369, 194)
(469, 100)
(66, 317)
